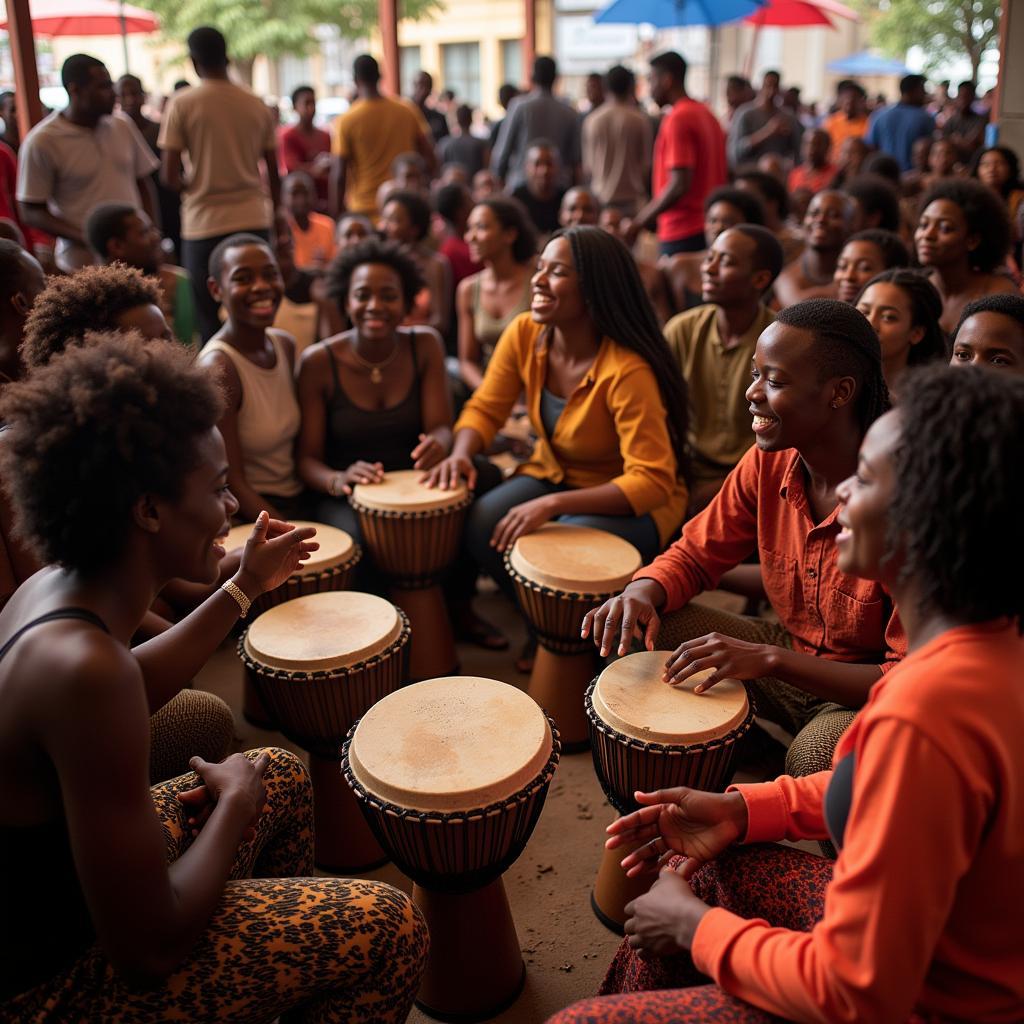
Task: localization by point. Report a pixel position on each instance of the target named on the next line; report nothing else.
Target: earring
(835, 405)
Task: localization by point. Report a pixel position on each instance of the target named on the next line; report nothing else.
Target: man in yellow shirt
(714, 344)
(367, 138)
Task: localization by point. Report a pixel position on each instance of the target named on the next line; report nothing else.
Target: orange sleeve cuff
(767, 813)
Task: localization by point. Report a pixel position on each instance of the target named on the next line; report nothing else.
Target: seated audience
(991, 334)
(817, 388)
(312, 232)
(453, 204)
(713, 346)
(827, 227)
(304, 312)
(615, 223)
(904, 309)
(254, 363)
(962, 237)
(579, 206)
(877, 202)
(541, 193)
(850, 158)
(408, 174)
(888, 932)
(21, 281)
(775, 202)
(816, 171)
(866, 254)
(352, 229)
(485, 184)
(999, 169)
(119, 475)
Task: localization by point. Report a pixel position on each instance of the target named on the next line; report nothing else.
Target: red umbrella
(88, 18)
(793, 13)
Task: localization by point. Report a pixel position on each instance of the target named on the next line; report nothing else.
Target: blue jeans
(692, 243)
(489, 509)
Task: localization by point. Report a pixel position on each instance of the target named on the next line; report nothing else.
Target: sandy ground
(565, 947)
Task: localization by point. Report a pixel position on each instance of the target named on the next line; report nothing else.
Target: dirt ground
(565, 947)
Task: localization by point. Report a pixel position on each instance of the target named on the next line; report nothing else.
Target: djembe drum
(561, 572)
(413, 533)
(318, 663)
(452, 775)
(647, 735)
(331, 567)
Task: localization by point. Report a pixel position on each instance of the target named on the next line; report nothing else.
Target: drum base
(558, 683)
(432, 647)
(475, 969)
(344, 843)
(613, 889)
(254, 711)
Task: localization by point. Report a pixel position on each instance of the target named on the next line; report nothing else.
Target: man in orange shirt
(313, 233)
(850, 120)
(816, 171)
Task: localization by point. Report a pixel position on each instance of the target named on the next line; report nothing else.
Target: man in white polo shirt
(80, 157)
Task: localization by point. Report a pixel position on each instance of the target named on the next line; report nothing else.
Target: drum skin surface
(401, 491)
(575, 559)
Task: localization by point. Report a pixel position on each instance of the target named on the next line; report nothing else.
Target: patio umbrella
(795, 14)
(675, 13)
(868, 63)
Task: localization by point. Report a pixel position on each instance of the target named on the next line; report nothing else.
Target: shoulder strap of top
(58, 613)
(334, 372)
(415, 361)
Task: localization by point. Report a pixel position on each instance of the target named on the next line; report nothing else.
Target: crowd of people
(780, 354)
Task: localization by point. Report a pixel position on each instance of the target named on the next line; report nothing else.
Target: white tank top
(268, 419)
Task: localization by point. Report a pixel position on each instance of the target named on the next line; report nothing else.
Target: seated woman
(904, 309)
(605, 399)
(998, 168)
(962, 237)
(254, 363)
(120, 479)
(817, 387)
(866, 254)
(917, 920)
(501, 237)
(991, 334)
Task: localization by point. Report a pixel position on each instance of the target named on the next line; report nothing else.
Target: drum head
(401, 491)
(631, 698)
(576, 559)
(336, 546)
(450, 744)
(323, 631)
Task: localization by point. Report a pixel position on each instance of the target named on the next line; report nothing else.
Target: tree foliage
(947, 30)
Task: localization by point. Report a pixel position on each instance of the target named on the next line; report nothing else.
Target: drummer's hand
(523, 519)
(273, 552)
(362, 473)
(633, 613)
(663, 921)
(428, 453)
(198, 806)
(238, 780)
(680, 821)
(729, 657)
(449, 471)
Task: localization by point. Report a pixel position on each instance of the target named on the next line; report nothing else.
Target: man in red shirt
(689, 161)
(304, 147)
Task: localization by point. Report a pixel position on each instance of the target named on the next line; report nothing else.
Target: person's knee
(814, 745)
(285, 771)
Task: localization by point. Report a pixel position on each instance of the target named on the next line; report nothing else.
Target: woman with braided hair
(817, 387)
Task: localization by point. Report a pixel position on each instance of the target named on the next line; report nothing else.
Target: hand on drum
(428, 453)
(448, 472)
(273, 552)
(523, 519)
(664, 919)
(729, 657)
(237, 779)
(361, 473)
(634, 613)
(689, 822)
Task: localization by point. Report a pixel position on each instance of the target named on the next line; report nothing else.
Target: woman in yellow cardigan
(605, 399)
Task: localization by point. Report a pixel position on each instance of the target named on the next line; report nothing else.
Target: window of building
(512, 62)
(409, 65)
(460, 68)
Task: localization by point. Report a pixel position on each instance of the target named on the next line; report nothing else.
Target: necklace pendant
(376, 376)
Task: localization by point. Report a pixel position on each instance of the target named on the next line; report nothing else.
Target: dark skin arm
(336, 186)
(171, 176)
(679, 180)
(37, 215)
(147, 196)
(426, 150)
(470, 356)
(273, 176)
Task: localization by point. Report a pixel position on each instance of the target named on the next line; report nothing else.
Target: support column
(387, 16)
(529, 37)
(23, 56)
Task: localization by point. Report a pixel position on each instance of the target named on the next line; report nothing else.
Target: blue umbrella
(676, 13)
(868, 63)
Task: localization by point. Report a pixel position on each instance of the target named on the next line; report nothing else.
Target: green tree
(275, 28)
(947, 30)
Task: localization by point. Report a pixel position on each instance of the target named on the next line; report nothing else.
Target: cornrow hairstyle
(618, 304)
(372, 250)
(416, 207)
(960, 492)
(889, 244)
(876, 195)
(768, 187)
(986, 217)
(925, 311)
(747, 203)
(845, 346)
(1012, 162)
(510, 213)
(93, 431)
(90, 299)
(215, 264)
(1005, 303)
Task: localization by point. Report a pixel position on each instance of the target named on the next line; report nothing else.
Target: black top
(46, 925)
(543, 212)
(838, 798)
(373, 435)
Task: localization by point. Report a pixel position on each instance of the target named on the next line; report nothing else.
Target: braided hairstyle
(960, 492)
(925, 311)
(618, 304)
(845, 346)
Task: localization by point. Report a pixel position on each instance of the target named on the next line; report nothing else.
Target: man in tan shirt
(714, 344)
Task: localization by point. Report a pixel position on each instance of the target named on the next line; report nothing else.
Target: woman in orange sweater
(918, 919)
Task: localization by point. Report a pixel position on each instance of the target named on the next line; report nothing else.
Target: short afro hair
(91, 299)
(883, 166)
(925, 311)
(876, 195)
(767, 186)
(373, 250)
(672, 63)
(986, 217)
(78, 69)
(416, 207)
(747, 203)
(1005, 303)
(215, 265)
(960, 492)
(450, 199)
(510, 213)
(846, 346)
(105, 222)
(92, 432)
(888, 243)
(208, 48)
(768, 254)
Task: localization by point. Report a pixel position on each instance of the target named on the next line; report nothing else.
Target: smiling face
(865, 499)
(486, 237)
(579, 206)
(888, 309)
(942, 237)
(556, 295)
(396, 225)
(991, 340)
(375, 303)
(250, 286)
(827, 221)
(857, 264)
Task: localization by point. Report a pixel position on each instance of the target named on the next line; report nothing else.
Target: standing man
(422, 87)
(850, 119)
(895, 129)
(79, 157)
(537, 115)
(965, 127)
(689, 162)
(763, 127)
(225, 132)
(306, 148)
(506, 94)
(617, 144)
(368, 138)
